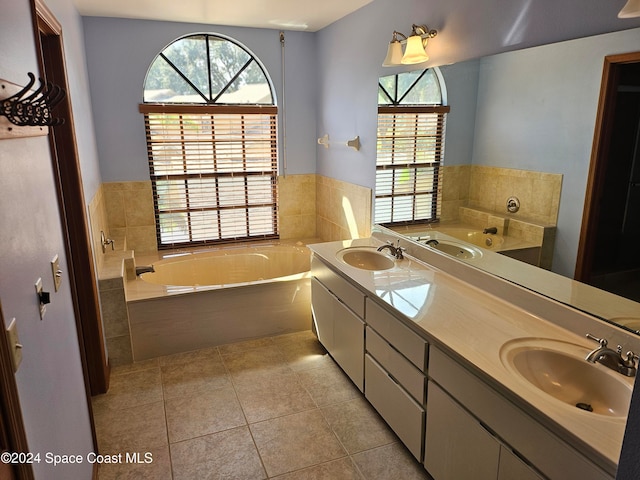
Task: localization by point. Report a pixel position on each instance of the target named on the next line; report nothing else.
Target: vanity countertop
(476, 325)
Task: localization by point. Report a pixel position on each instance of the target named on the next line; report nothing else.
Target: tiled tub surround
(124, 212)
(469, 319)
(271, 408)
(130, 214)
(488, 188)
(476, 196)
(519, 238)
(99, 223)
(246, 302)
(309, 206)
(343, 210)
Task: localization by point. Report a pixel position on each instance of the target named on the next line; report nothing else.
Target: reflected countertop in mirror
(584, 297)
(535, 110)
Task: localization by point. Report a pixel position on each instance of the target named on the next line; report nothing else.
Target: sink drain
(584, 406)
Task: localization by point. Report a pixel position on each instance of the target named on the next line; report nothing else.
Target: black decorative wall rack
(33, 109)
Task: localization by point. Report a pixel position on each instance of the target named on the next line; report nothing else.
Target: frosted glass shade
(414, 52)
(631, 9)
(394, 54)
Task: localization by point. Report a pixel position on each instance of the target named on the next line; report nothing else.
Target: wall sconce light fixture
(630, 10)
(415, 46)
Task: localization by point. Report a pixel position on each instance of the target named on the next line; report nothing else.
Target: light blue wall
(351, 51)
(50, 379)
(536, 111)
(119, 52)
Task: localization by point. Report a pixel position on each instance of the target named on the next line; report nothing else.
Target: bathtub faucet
(491, 230)
(144, 269)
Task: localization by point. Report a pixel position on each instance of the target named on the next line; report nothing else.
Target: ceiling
(309, 15)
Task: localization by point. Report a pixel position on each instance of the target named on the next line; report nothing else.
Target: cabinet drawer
(341, 288)
(410, 344)
(412, 379)
(399, 410)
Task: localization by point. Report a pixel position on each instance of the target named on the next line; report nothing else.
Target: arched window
(411, 127)
(211, 127)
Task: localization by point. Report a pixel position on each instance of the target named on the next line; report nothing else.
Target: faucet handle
(631, 359)
(602, 341)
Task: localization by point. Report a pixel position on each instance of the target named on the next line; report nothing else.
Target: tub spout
(144, 269)
(491, 230)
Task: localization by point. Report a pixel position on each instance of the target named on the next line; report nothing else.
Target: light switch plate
(57, 273)
(14, 344)
(42, 306)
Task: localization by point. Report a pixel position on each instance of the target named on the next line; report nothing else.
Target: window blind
(213, 171)
(410, 151)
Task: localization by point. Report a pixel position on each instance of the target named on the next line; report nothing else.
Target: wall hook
(33, 110)
(324, 140)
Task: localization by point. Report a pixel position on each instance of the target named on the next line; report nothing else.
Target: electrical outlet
(14, 344)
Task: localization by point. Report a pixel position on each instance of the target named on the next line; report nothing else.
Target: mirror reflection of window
(410, 147)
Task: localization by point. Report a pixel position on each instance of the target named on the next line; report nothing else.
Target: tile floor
(271, 408)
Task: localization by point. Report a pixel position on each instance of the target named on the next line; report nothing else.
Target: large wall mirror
(535, 110)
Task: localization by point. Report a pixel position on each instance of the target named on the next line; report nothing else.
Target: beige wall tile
(138, 205)
(297, 206)
(142, 239)
(344, 210)
(119, 350)
(538, 192)
(130, 213)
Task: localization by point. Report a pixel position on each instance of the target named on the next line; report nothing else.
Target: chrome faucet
(613, 359)
(396, 251)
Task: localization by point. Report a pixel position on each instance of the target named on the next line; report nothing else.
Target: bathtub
(208, 298)
(465, 234)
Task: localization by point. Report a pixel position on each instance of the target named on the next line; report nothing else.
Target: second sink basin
(559, 369)
(366, 258)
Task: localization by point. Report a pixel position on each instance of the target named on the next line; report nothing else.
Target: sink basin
(455, 249)
(366, 258)
(559, 369)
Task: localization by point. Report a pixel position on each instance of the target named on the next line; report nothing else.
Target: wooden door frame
(72, 206)
(14, 437)
(599, 160)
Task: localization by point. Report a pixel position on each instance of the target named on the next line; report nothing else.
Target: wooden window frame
(409, 146)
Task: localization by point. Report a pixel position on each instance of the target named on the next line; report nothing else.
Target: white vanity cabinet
(338, 308)
(459, 446)
(395, 379)
(464, 415)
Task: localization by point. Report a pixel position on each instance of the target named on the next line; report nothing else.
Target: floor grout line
(285, 358)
